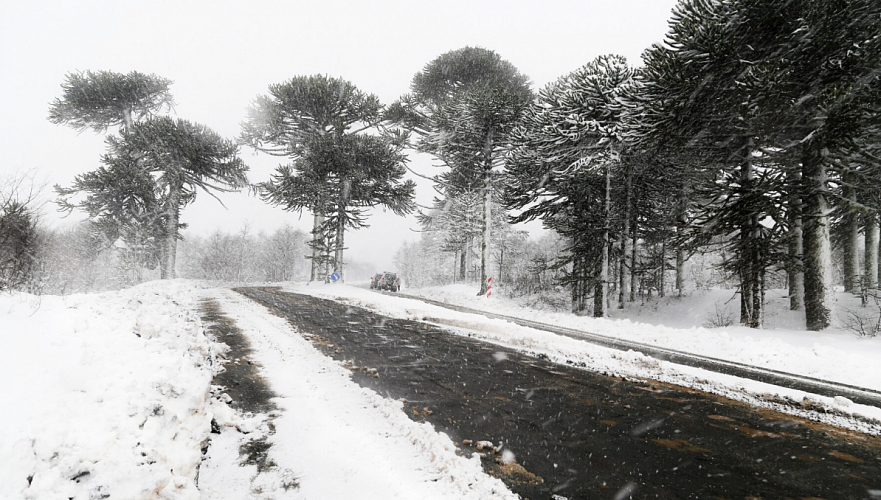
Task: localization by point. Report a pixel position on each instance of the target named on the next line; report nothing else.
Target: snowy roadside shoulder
(104, 394)
(676, 323)
(339, 439)
(836, 411)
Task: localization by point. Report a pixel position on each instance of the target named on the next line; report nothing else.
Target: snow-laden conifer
(462, 108)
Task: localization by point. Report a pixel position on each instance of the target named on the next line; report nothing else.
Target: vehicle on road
(389, 281)
(374, 280)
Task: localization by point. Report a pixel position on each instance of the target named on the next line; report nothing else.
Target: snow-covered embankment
(103, 394)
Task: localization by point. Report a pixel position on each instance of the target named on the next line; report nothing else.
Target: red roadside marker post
(489, 286)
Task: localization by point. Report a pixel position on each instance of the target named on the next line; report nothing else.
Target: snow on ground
(677, 323)
(829, 355)
(340, 440)
(110, 395)
(103, 394)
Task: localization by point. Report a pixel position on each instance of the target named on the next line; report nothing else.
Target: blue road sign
(335, 277)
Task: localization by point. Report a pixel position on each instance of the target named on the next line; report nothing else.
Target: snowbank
(677, 323)
(103, 394)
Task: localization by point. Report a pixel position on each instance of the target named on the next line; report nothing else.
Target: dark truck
(389, 281)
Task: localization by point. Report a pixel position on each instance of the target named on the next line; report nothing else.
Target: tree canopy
(102, 99)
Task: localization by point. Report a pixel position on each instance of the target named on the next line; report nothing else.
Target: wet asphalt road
(579, 434)
(859, 395)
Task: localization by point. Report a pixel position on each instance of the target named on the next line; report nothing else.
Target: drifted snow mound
(103, 395)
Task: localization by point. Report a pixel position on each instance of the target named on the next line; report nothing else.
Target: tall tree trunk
(623, 277)
(501, 262)
(463, 260)
(633, 255)
(750, 256)
(173, 207)
(759, 298)
(795, 267)
(577, 290)
(662, 271)
(163, 250)
(681, 223)
(851, 263)
(487, 209)
(601, 293)
(340, 262)
(127, 120)
(485, 237)
(871, 258)
(325, 257)
(342, 203)
(317, 222)
(819, 293)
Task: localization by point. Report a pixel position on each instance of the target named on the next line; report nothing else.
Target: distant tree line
(76, 259)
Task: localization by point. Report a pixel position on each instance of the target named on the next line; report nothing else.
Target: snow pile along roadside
(834, 354)
(107, 394)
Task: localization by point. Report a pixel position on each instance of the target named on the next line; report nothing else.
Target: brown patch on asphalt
(721, 417)
(609, 422)
(514, 473)
(754, 432)
(675, 400)
(846, 456)
(421, 412)
(783, 420)
(651, 388)
(681, 444)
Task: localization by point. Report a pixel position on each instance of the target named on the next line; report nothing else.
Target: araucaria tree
(181, 157)
(779, 99)
(123, 203)
(565, 154)
(99, 100)
(122, 199)
(462, 109)
(304, 119)
(350, 173)
(151, 170)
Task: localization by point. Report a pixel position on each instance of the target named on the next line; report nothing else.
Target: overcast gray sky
(222, 54)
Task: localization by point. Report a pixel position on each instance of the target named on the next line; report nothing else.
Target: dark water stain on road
(579, 434)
